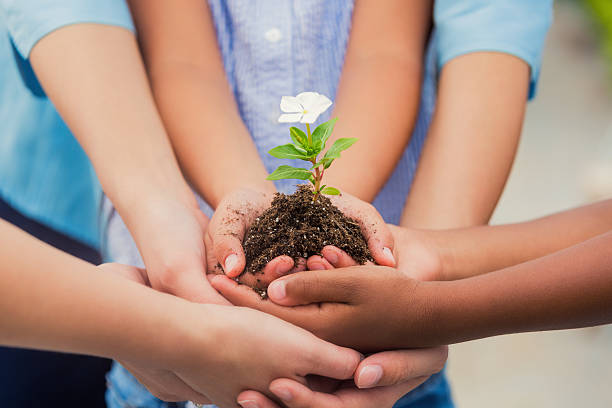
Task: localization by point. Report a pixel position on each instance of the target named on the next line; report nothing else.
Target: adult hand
(237, 212)
(345, 306)
(169, 234)
(380, 381)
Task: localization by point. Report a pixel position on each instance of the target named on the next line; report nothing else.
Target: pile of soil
(296, 226)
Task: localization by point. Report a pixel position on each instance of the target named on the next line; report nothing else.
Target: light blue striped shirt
(270, 48)
(273, 48)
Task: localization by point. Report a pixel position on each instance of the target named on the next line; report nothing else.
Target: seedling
(306, 108)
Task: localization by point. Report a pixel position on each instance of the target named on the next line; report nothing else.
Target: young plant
(306, 108)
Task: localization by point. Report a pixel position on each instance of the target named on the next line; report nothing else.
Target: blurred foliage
(602, 11)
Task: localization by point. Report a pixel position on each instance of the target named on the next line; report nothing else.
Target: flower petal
(290, 117)
(323, 102)
(308, 99)
(310, 117)
(291, 104)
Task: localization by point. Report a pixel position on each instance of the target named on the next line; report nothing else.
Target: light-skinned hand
(237, 211)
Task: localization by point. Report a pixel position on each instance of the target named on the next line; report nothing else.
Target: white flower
(305, 107)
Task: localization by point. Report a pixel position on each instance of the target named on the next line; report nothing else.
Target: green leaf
(288, 172)
(330, 191)
(322, 133)
(299, 137)
(338, 146)
(289, 151)
(325, 162)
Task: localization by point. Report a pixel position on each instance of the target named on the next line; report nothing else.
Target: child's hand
(369, 308)
(238, 210)
(417, 255)
(215, 352)
(170, 237)
(398, 372)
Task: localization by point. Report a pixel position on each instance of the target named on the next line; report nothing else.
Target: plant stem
(309, 135)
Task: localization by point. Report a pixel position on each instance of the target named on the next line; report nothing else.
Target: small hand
(237, 212)
(380, 380)
(415, 251)
(170, 236)
(345, 305)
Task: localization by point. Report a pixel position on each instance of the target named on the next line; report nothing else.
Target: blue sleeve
(516, 27)
(30, 20)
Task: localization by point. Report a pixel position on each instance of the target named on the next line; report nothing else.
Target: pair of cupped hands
(306, 349)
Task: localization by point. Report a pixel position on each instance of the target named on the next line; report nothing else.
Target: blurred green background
(601, 12)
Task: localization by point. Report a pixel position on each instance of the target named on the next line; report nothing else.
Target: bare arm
(473, 251)
(471, 143)
(180, 49)
(50, 300)
(568, 289)
(378, 94)
(94, 75)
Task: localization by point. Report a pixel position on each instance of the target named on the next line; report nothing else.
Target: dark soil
(296, 226)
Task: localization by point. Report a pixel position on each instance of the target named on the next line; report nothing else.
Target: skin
(188, 80)
(471, 143)
(85, 309)
(570, 287)
(120, 130)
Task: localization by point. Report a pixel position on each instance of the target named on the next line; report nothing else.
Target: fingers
(337, 257)
(373, 227)
(296, 395)
(254, 399)
(318, 263)
(395, 367)
(165, 385)
(315, 287)
(276, 268)
(331, 361)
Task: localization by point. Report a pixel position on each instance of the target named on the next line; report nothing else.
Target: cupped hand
(417, 255)
(169, 234)
(380, 380)
(238, 211)
(369, 308)
(226, 350)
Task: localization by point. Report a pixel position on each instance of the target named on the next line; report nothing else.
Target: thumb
(395, 367)
(308, 287)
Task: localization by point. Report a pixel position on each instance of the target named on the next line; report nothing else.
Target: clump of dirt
(296, 226)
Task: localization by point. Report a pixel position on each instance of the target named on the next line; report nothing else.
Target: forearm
(473, 251)
(50, 300)
(212, 144)
(194, 98)
(568, 289)
(472, 141)
(378, 94)
(95, 77)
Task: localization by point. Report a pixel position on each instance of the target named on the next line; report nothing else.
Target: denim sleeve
(516, 27)
(30, 20)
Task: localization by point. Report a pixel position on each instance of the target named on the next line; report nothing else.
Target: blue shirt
(44, 173)
(273, 48)
(270, 49)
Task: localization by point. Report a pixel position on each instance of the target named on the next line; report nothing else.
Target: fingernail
(284, 394)
(317, 266)
(369, 376)
(230, 262)
(248, 404)
(389, 255)
(277, 290)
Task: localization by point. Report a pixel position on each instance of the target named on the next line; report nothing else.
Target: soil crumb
(299, 228)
